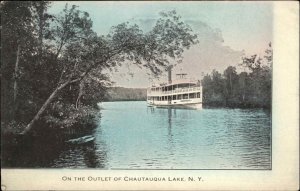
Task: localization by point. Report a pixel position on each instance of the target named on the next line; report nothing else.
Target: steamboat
(183, 92)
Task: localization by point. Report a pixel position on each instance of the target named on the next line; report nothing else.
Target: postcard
(150, 95)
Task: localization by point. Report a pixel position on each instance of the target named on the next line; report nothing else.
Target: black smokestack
(170, 74)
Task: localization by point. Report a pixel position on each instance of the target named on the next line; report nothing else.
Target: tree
(207, 88)
(213, 89)
(81, 53)
(17, 40)
(243, 82)
(230, 80)
(260, 77)
(217, 83)
(41, 20)
(247, 89)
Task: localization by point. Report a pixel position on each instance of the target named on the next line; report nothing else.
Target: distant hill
(126, 94)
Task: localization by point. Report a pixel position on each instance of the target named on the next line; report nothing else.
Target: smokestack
(170, 74)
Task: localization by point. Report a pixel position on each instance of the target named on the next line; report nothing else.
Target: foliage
(54, 64)
(253, 89)
(15, 32)
(62, 115)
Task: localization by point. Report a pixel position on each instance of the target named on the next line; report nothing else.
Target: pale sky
(226, 30)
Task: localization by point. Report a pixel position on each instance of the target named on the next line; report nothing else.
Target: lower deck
(183, 103)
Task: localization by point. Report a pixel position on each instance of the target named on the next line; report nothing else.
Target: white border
(285, 131)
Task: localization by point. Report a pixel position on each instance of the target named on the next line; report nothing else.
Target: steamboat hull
(196, 106)
(180, 104)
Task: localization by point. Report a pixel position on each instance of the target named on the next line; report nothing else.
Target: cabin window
(179, 97)
(192, 95)
(174, 97)
(185, 96)
(198, 95)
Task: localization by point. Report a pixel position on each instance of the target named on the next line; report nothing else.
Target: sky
(226, 31)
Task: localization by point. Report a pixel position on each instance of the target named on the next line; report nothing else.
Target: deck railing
(177, 90)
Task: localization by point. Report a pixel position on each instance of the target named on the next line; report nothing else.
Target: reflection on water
(148, 138)
(131, 135)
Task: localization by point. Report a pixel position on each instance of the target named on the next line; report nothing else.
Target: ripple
(130, 135)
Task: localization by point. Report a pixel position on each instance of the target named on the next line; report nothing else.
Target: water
(131, 135)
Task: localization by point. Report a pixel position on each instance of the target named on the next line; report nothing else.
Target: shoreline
(210, 105)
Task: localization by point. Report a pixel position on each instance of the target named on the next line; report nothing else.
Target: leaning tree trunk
(45, 105)
(16, 78)
(51, 97)
(79, 94)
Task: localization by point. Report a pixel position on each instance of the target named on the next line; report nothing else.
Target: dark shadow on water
(50, 150)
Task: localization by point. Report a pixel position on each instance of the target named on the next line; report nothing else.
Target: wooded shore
(52, 66)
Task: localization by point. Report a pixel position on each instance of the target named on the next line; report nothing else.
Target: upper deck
(174, 91)
(177, 86)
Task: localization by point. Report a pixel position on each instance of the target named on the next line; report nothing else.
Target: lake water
(131, 135)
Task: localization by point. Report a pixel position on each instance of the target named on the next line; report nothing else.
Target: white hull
(185, 104)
